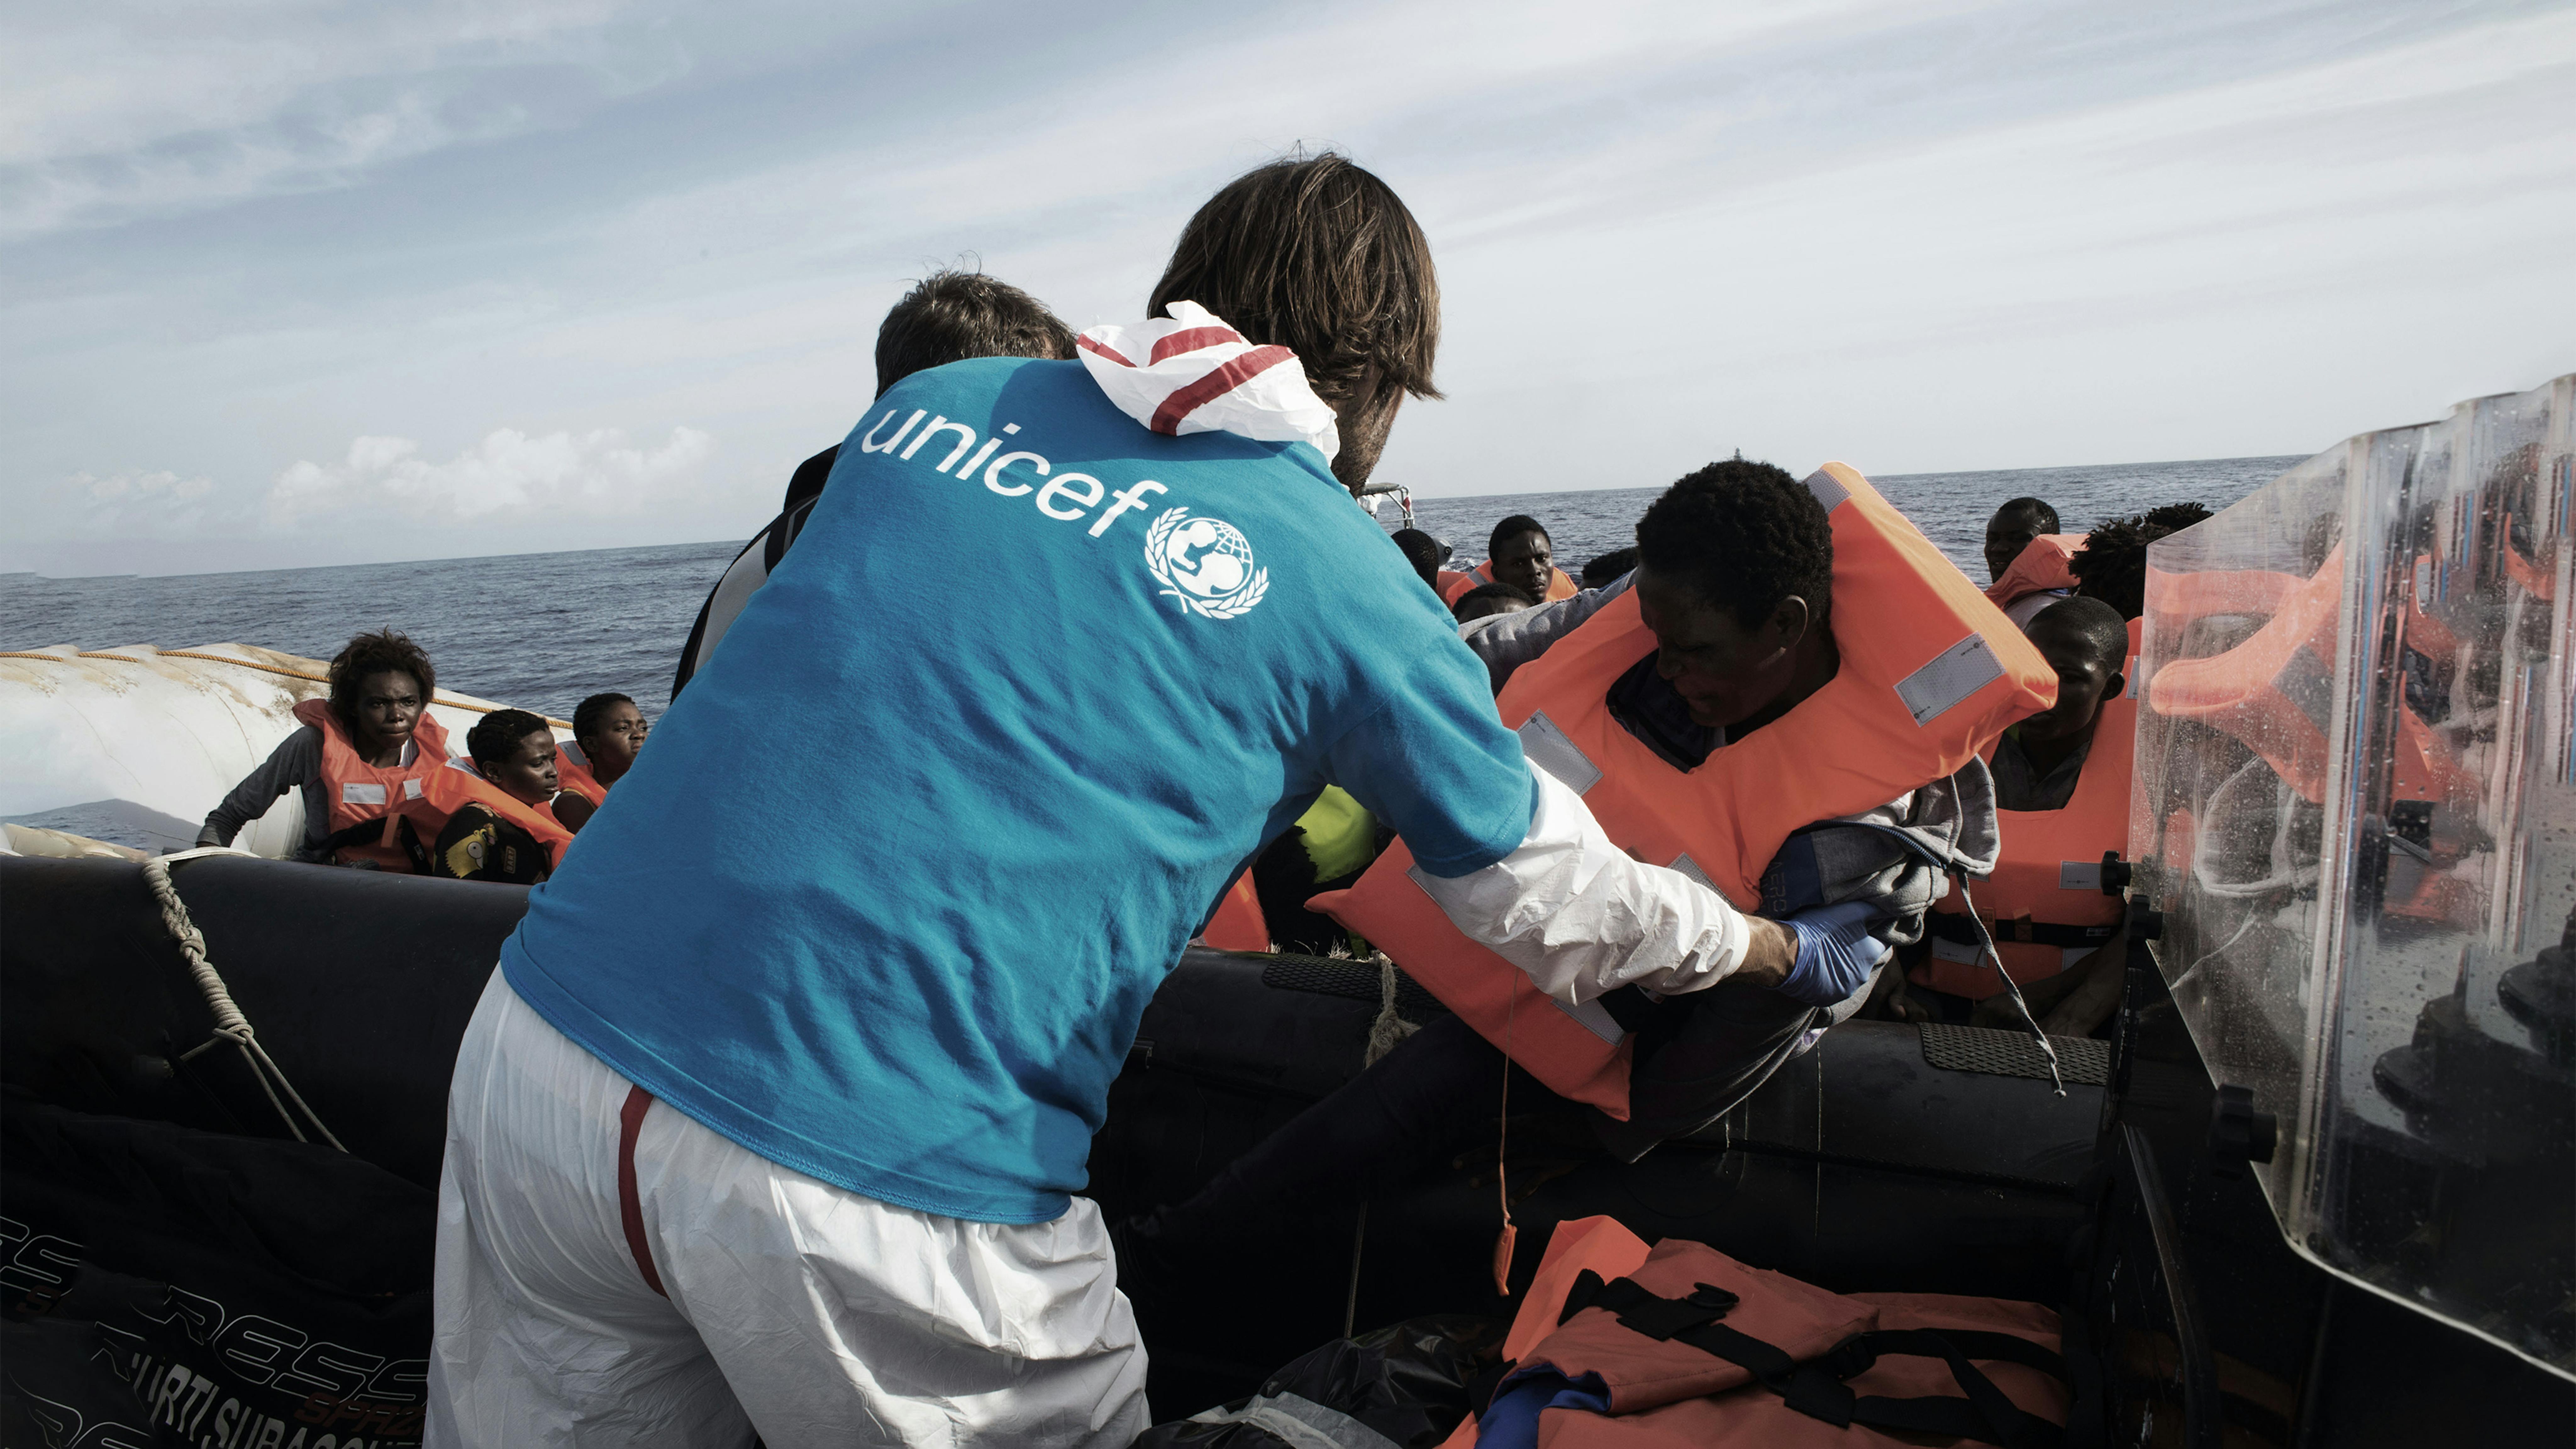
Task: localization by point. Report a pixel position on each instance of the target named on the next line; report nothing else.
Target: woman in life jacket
(1518, 553)
(483, 838)
(2062, 792)
(607, 731)
(1722, 634)
(363, 749)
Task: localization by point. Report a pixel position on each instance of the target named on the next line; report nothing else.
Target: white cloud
(137, 504)
(106, 115)
(508, 478)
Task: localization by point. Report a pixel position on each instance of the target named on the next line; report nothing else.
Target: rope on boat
(230, 1024)
(1389, 1028)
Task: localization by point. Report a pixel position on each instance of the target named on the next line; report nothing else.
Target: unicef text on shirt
(1066, 497)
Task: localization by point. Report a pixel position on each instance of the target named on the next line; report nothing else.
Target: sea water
(541, 631)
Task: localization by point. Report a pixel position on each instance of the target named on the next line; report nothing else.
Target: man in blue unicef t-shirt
(779, 1132)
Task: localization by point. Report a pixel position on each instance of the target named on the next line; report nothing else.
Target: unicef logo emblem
(1205, 563)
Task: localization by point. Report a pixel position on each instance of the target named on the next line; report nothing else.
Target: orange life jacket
(572, 771)
(1454, 586)
(444, 792)
(360, 792)
(1449, 584)
(2044, 903)
(1238, 924)
(2267, 691)
(1931, 673)
(2043, 564)
(1664, 1333)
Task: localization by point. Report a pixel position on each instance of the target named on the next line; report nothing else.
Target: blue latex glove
(1836, 953)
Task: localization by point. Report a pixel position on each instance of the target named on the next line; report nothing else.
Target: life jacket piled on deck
(1618, 1345)
(362, 794)
(1930, 675)
(2044, 904)
(1453, 586)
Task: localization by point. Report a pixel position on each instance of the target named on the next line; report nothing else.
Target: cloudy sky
(295, 283)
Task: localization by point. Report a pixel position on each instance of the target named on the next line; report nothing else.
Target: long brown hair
(1318, 256)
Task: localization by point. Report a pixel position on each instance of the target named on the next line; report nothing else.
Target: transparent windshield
(2356, 803)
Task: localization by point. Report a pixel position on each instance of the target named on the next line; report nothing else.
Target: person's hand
(1836, 953)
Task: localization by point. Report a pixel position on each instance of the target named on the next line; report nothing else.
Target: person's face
(529, 772)
(389, 704)
(620, 733)
(2083, 682)
(1480, 608)
(1725, 672)
(2007, 534)
(1523, 561)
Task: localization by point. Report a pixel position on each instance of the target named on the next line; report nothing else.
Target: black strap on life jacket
(1817, 1388)
(1958, 929)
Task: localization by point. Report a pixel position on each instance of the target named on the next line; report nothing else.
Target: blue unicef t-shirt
(885, 897)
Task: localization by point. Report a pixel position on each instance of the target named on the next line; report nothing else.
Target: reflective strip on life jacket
(2044, 564)
(360, 792)
(2044, 903)
(1930, 674)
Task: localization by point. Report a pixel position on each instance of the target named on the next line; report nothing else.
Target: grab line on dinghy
(449, 702)
(230, 1024)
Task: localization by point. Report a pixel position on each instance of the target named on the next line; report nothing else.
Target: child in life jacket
(2038, 767)
(514, 750)
(351, 756)
(607, 730)
(1735, 583)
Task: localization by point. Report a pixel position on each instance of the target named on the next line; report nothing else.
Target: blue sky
(300, 283)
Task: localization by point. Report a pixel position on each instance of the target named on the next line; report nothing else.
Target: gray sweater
(296, 763)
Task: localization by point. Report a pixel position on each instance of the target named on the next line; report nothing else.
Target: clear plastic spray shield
(2356, 803)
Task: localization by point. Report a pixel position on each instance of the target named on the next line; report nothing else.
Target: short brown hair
(376, 653)
(951, 316)
(1320, 257)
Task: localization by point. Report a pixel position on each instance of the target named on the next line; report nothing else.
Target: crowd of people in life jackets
(1646, 833)
(385, 789)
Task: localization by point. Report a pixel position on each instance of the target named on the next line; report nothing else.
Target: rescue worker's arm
(296, 759)
(1583, 918)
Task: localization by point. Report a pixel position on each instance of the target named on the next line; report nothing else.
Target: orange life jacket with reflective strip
(1930, 674)
(360, 792)
(2042, 565)
(446, 791)
(1453, 587)
(2044, 903)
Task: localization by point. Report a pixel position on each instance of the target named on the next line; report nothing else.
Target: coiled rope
(230, 1024)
